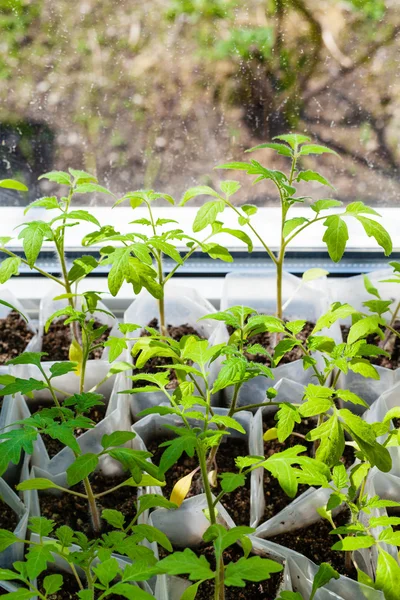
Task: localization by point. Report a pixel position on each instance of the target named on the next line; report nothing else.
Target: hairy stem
(219, 593)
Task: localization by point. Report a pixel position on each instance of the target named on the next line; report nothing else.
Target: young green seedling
(133, 261)
(294, 147)
(35, 233)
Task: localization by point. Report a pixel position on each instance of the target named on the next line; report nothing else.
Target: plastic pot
(96, 370)
(7, 296)
(16, 551)
(182, 306)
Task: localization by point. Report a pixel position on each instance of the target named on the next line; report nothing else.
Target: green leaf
(293, 139)
(282, 348)
(332, 443)
(33, 236)
(53, 583)
(287, 416)
(324, 574)
(254, 568)
(79, 215)
(117, 438)
(218, 252)
(334, 314)
(378, 306)
(131, 592)
(235, 166)
(59, 177)
(348, 396)
(167, 249)
(363, 367)
(280, 466)
(199, 190)
(48, 202)
(315, 149)
(9, 267)
(207, 214)
(7, 538)
(186, 563)
(356, 208)
(113, 517)
(117, 345)
(313, 176)
(12, 184)
(87, 188)
(7, 575)
(374, 229)
(191, 592)
(387, 575)
(231, 481)
(232, 371)
(351, 543)
(21, 594)
(313, 274)
(107, 571)
(325, 204)
(62, 368)
(81, 468)
(335, 237)
(228, 422)
(370, 288)
(292, 224)
(37, 559)
(279, 148)
(81, 267)
(364, 327)
(38, 483)
(230, 187)
(240, 235)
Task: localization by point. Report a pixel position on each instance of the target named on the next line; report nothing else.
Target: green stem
(264, 245)
(74, 571)
(219, 592)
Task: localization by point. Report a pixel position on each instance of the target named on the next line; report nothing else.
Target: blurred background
(154, 94)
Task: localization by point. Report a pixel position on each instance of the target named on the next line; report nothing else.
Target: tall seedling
(139, 261)
(294, 147)
(35, 233)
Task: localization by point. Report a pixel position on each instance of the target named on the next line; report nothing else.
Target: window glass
(155, 94)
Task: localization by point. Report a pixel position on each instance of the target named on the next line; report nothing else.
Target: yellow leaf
(270, 434)
(75, 354)
(181, 488)
(212, 478)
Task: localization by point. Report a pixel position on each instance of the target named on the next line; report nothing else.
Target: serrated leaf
(254, 568)
(207, 214)
(292, 224)
(316, 149)
(81, 468)
(313, 176)
(351, 543)
(186, 562)
(376, 230)
(335, 237)
(9, 267)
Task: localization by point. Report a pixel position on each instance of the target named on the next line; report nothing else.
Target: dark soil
(152, 366)
(264, 590)
(266, 339)
(8, 518)
(73, 511)
(70, 588)
(315, 543)
(53, 447)
(57, 340)
(392, 346)
(237, 503)
(14, 336)
(275, 497)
